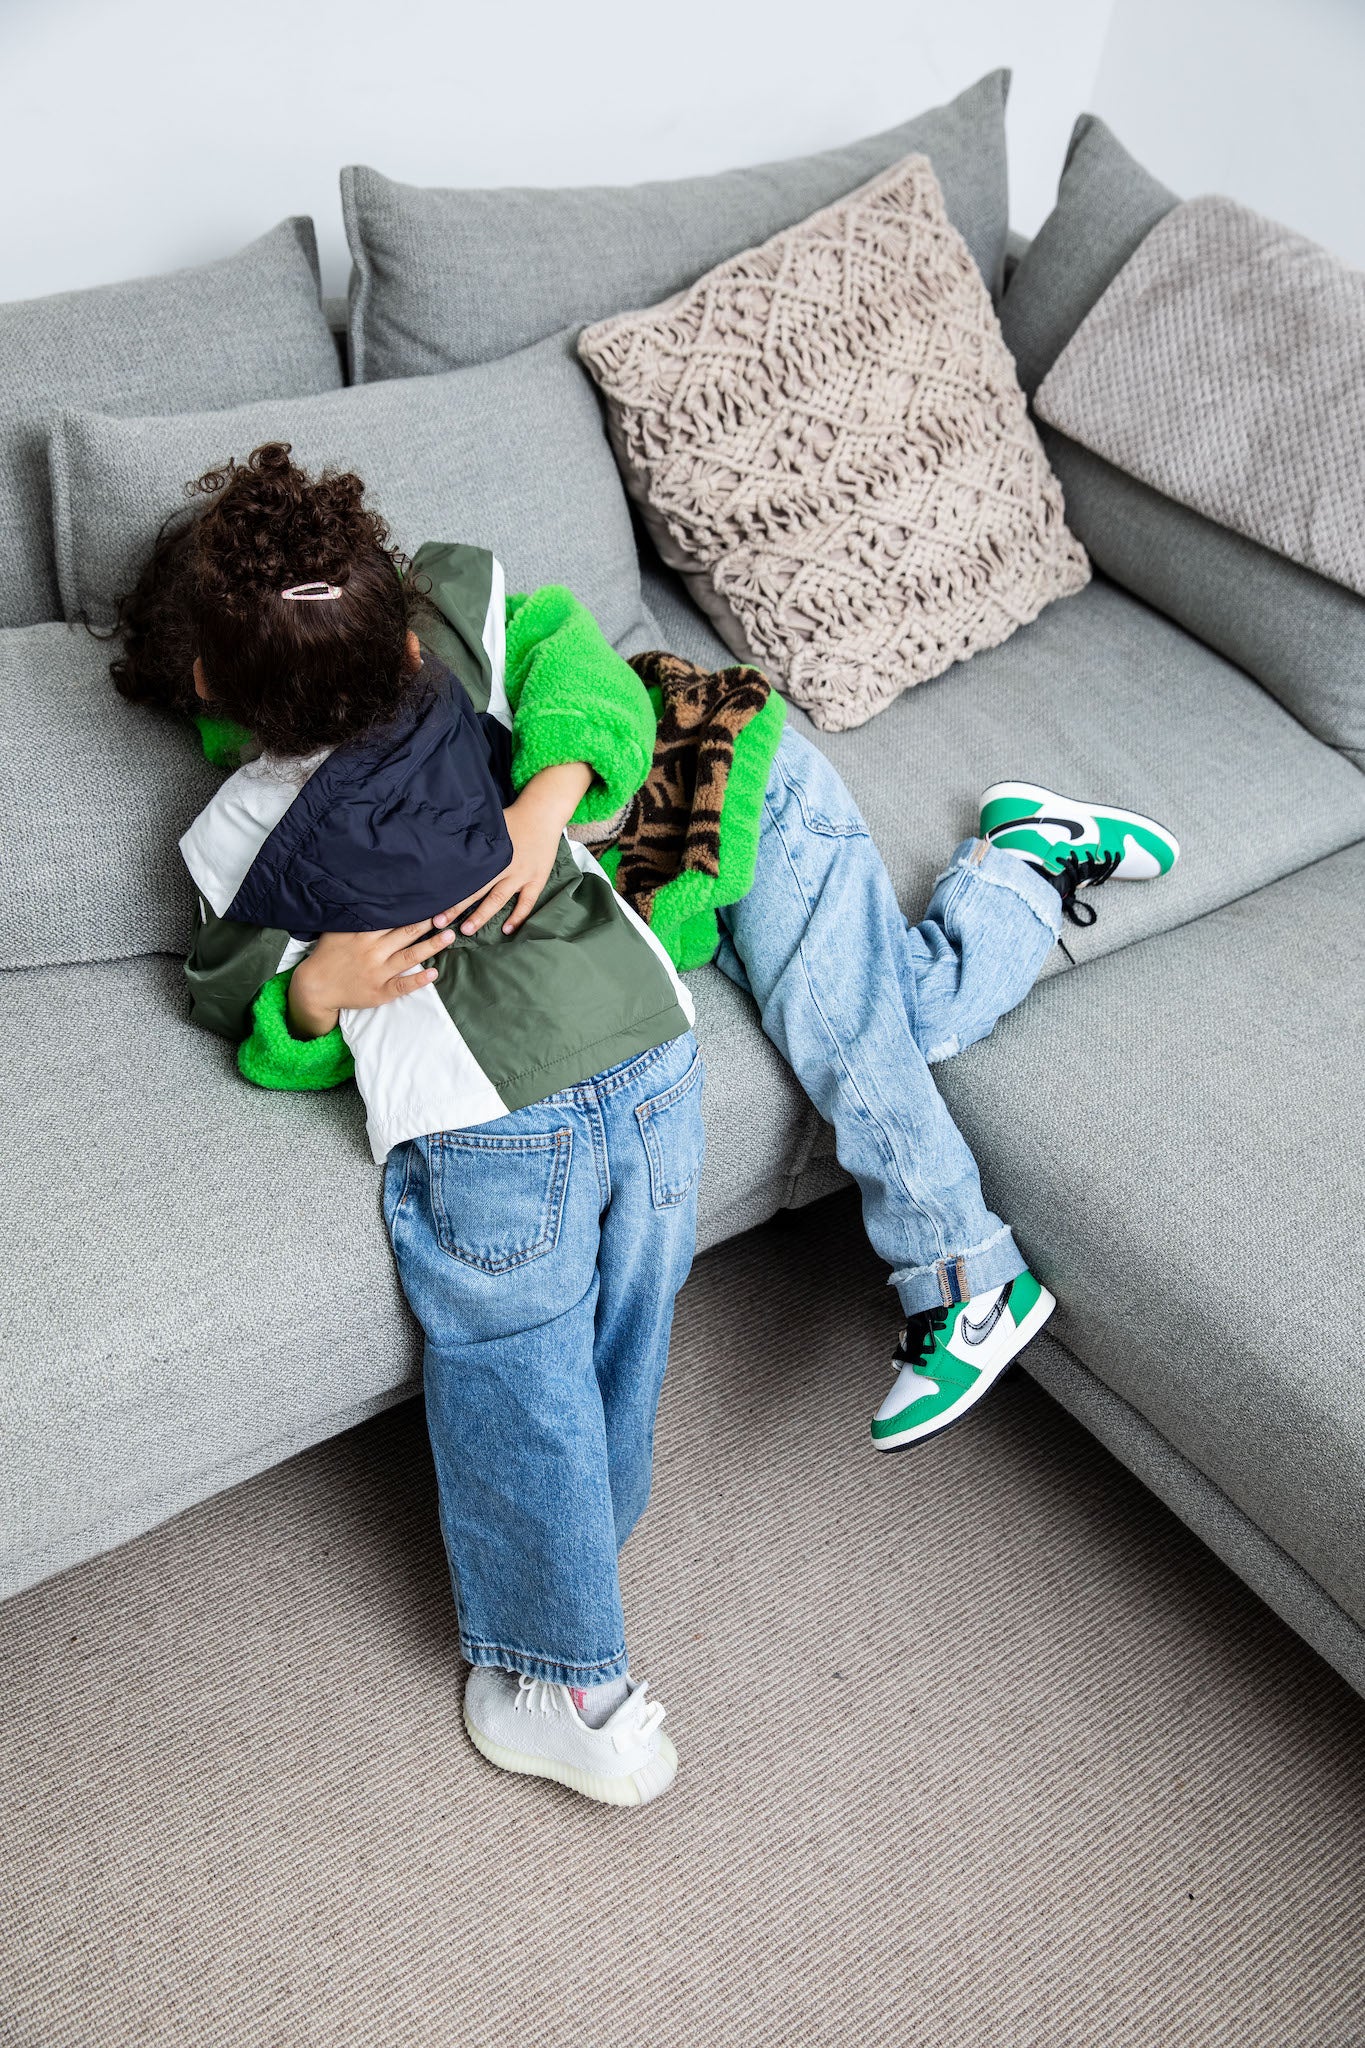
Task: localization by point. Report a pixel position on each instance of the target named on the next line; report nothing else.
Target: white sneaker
(526, 1724)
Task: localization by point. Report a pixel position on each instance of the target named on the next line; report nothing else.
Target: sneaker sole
(917, 1433)
(632, 1788)
(1030, 790)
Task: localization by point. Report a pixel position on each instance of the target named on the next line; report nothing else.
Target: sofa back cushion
(510, 455)
(95, 794)
(250, 326)
(1300, 636)
(1106, 205)
(443, 278)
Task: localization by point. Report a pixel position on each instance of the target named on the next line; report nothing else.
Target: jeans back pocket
(497, 1202)
(674, 1137)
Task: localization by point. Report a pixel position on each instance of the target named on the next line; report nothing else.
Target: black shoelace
(917, 1338)
(1079, 870)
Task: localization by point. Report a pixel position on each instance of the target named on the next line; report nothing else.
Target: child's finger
(404, 984)
(525, 904)
(498, 897)
(425, 949)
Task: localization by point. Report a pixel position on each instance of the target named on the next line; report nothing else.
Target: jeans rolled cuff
(553, 1670)
(960, 1276)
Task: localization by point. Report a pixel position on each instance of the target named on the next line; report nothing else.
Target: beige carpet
(979, 1747)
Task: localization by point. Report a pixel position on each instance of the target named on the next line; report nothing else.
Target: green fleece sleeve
(573, 698)
(223, 741)
(273, 1058)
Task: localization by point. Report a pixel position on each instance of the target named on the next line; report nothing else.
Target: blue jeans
(541, 1254)
(860, 1004)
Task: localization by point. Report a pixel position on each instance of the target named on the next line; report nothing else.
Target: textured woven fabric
(1178, 377)
(1302, 637)
(1106, 205)
(94, 794)
(448, 277)
(1270, 1571)
(506, 455)
(1194, 1193)
(221, 1290)
(684, 629)
(250, 326)
(978, 1747)
(827, 434)
(1102, 698)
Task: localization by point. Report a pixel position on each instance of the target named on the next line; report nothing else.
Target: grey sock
(597, 1703)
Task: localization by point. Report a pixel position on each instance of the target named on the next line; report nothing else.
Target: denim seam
(407, 1183)
(596, 1122)
(551, 1209)
(468, 1643)
(593, 1090)
(665, 1194)
(888, 1151)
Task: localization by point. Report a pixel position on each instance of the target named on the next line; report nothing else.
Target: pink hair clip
(311, 593)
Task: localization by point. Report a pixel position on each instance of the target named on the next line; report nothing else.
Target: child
(536, 1092)
(286, 605)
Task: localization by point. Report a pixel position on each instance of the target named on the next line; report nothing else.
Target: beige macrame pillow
(827, 437)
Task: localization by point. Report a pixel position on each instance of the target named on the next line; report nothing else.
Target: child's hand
(536, 823)
(360, 971)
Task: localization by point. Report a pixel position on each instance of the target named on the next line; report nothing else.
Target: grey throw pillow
(510, 455)
(1106, 205)
(443, 278)
(1301, 637)
(95, 793)
(250, 326)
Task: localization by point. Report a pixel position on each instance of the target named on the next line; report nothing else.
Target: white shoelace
(540, 1692)
(533, 1693)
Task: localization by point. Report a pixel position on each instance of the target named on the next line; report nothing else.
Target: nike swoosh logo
(977, 1333)
(1069, 828)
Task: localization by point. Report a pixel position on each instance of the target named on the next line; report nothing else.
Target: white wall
(141, 134)
(150, 133)
(1262, 99)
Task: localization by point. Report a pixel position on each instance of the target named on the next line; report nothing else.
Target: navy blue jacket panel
(392, 828)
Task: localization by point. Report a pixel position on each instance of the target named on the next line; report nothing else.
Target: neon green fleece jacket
(568, 696)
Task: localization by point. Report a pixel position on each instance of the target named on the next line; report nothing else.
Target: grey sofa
(197, 1282)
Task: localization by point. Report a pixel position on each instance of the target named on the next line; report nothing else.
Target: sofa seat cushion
(198, 1283)
(1178, 1137)
(1102, 698)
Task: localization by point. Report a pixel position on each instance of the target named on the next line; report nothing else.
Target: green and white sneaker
(1076, 845)
(949, 1358)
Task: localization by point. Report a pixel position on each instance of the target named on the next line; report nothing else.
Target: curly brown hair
(297, 676)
